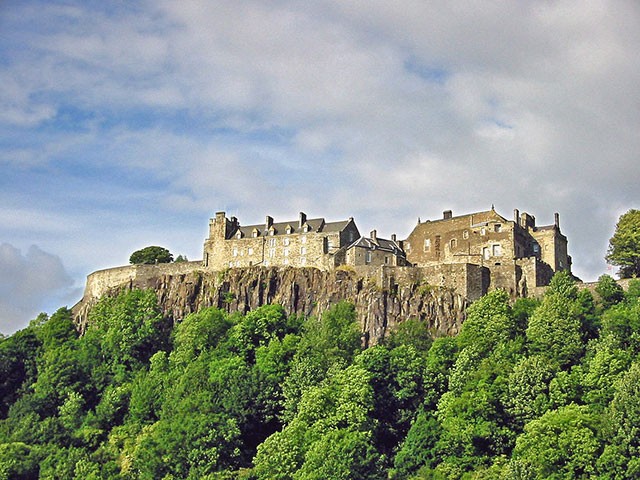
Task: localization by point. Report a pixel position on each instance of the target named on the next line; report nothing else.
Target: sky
(128, 124)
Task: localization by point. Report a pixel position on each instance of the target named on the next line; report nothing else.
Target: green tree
(151, 255)
(609, 291)
(624, 246)
(555, 331)
(562, 444)
(621, 457)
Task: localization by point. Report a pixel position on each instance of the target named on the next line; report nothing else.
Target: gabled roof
(378, 244)
(479, 218)
(315, 225)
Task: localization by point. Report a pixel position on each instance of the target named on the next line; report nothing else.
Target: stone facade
(376, 251)
(517, 254)
(299, 243)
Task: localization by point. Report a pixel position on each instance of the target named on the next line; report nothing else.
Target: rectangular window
(285, 241)
(250, 251)
(497, 251)
(497, 227)
(303, 261)
(465, 234)
(386, 260)
(303, 250)
(427, 245)
(235, 252)
(486, 253)
(286, 252)
(367, 258)
(286, 261)
(272, 252)
(272, 242)
(303, 240)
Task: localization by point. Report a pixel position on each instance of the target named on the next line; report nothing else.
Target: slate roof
(378, 244)
(315, 225)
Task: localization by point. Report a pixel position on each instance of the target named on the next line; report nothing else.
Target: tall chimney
(374, 235)
(302, 219)
(393, 237)
(557, 220)
(516, 215)
(447, 214)
(268, 222)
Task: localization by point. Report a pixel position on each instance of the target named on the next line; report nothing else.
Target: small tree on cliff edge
(151, 255)
(624, 246)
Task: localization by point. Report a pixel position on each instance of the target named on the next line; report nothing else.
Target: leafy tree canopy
(151, 255)
(624, 246)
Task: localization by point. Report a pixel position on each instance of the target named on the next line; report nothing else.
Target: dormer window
(289, 230)
(255, 233)
(305, 228)
(239, 234)
(272, 231)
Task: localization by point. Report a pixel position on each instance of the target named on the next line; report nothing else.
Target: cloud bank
(27, 283)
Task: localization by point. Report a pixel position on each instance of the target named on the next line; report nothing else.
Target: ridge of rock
(381, 304)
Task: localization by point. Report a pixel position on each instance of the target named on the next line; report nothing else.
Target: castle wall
(101, 281)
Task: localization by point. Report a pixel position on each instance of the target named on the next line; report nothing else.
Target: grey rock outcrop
(382, 301)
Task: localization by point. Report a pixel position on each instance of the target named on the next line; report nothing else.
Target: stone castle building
(472, 253)
(298, 243)
(514, 254)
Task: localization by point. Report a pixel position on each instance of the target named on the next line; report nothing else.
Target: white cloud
(28, 284)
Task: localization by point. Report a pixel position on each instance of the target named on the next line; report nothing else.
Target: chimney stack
(393, 237)
(302, 219)
(516, 215)
(557, 220)
(447, 214)
(268, 222)
(374, 235)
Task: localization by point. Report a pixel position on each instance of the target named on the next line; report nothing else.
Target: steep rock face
(303, 291)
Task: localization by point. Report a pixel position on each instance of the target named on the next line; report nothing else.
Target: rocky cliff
(382, 300)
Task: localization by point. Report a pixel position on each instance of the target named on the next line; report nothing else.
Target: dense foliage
(624, 246)
(151, 255)
(534, 390)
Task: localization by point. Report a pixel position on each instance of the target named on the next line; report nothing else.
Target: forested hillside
(537, 389)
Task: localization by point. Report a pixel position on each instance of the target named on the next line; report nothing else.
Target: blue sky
(127, 124)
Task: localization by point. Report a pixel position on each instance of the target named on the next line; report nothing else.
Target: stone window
(386, 260)
(465, 234)
(286, 261)
(497, 250)
(235, 252)
(230, 264)
(303, 240)
(497, 227)
(272, 252)
(239, 234)
(303, 250)
(483, 231)
(303, 261)
(427, 245)
(272, 242)
(367, 257)
(289, 229)
(255, 233)
(453, 243)
(285, 241)
(305, 228)
(250, 251)
(486, 253)
(272, 231)
(286, 252)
